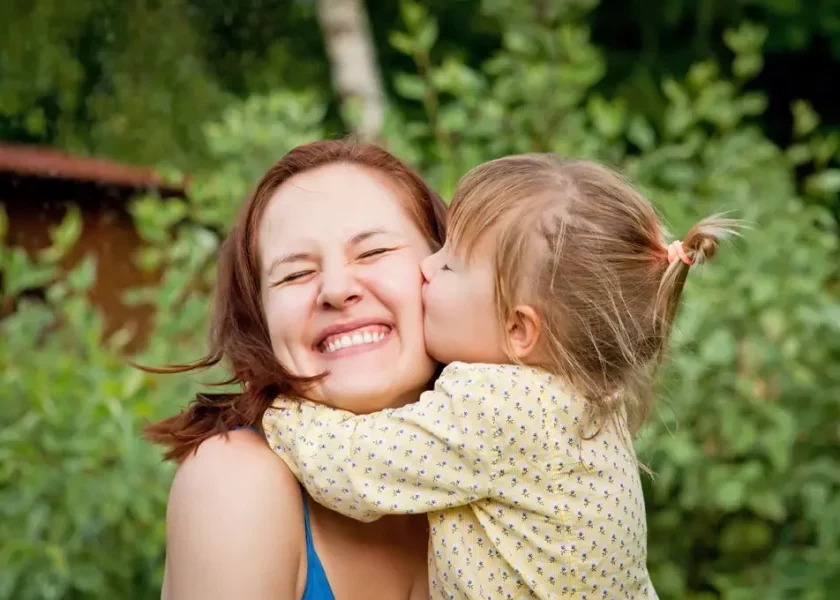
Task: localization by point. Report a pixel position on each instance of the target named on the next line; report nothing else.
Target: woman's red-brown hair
(238, 333)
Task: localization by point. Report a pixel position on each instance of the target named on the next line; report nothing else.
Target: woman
(326, 251)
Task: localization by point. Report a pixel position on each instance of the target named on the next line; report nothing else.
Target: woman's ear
(523, 331)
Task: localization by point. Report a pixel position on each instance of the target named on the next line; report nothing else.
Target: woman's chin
(370, 377)
(360, 396)
(363, 391)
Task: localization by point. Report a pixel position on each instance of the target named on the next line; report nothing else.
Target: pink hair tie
(676, 251)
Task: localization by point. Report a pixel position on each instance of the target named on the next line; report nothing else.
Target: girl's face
(341, 287)
(460, 306)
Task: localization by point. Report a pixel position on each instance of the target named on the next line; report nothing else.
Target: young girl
(551, 304)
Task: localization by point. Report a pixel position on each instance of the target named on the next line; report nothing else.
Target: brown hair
(588, 252)
(238, 333)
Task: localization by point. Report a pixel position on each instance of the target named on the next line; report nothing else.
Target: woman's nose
(339, 288)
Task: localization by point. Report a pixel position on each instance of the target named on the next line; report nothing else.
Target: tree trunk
(353, 65)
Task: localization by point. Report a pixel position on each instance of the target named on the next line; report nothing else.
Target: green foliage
(102, 78)
(81, 495)
(135, 80)
(793, 24)
(745, 502)
(250, 136)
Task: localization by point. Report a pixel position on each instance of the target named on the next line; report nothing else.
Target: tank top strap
(306, 526)
(249, 427)
(317, 584)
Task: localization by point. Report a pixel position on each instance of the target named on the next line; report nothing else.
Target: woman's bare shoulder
(236, 465)
(235, 523)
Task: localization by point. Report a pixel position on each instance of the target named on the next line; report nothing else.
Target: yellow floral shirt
(520, 505)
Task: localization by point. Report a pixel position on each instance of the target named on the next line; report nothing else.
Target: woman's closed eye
(445, 268)
(374, 253)
(293, 277)
(300, 275)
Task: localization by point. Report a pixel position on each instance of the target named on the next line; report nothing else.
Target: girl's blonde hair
(578, 243)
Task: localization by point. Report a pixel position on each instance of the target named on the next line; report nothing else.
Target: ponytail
(700, 246)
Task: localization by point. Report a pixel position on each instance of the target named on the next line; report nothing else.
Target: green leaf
(747, 38)
(608, 117)
(747, 65)
(413, 14)
(21, 274)
(640, 133)
(799, 154)
(824, 183)
(36, 122)
(753, 104)
(719, 347)
(675, 92)
(702, 74)
(427, 36)
(65, 236)
(745, 536)
(730, 494)
(83, 275)
(805, 119)
(767, 504)
(410, 86)
(825, 148)
(402, 42)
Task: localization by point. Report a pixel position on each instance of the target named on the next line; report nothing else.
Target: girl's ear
(523, 331)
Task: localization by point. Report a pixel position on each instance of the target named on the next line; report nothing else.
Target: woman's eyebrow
(367, 234)
(288, 258)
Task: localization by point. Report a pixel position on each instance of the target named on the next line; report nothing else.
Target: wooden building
(37, 183)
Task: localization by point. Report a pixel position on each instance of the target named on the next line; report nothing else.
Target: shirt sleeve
(440, 452)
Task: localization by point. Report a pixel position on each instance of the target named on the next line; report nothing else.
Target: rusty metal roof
(42, 161)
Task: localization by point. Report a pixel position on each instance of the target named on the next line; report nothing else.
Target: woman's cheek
(286, 312)
(397, 281)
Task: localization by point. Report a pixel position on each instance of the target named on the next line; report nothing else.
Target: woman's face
(340, 286)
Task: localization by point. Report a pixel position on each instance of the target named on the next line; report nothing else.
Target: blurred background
(131, 131)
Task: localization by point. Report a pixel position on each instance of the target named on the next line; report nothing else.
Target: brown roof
(41, 161)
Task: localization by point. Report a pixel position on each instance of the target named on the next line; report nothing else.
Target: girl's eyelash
(445, 268)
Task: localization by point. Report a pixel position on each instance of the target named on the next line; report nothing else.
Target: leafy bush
(81, 496)
(746, 498)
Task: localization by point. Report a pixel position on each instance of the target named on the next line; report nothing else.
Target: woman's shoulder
(238, 474)
(242, 461)
(235, 508)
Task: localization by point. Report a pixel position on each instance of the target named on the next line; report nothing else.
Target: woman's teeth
(355, 338)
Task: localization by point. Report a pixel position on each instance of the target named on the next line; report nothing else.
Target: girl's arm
(443, 451)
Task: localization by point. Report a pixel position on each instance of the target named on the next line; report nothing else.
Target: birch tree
(352, 55)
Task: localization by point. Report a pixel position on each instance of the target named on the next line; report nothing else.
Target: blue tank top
(317, 584)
